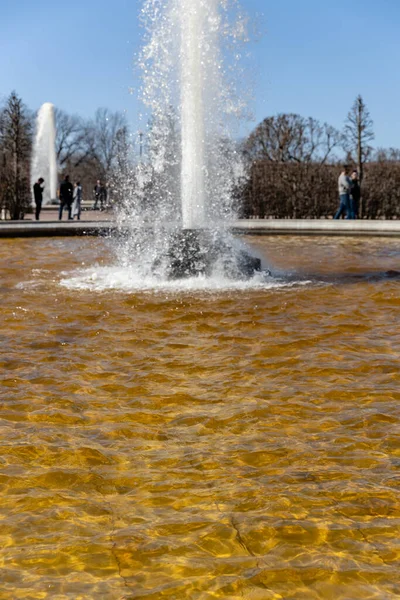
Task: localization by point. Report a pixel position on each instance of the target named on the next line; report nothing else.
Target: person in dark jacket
(99, 195)
(66, 197)
(38, 196)
(355, 193)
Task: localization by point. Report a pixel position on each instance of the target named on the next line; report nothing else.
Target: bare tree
(74, 139)
(16, 143)
(358, 134)
(291, 138)
(92, 149)
(106, 131)
(122, 181)
(386, 155)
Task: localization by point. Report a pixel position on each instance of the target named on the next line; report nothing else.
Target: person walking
(76, 207)
(355, 194)
(344, 185)
(66, 197)
(38, 196)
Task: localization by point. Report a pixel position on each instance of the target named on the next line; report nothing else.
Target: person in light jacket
(76, 207)
(344, 185)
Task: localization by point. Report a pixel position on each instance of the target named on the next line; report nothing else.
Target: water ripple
(223, 441)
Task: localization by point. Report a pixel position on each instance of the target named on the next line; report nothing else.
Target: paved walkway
(51, 214)
(92, 222)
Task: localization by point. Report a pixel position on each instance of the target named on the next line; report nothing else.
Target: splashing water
(187, 179)
(44, 163)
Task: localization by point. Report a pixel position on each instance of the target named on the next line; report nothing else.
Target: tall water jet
(44, 162)
(193, 18)
(186, 70)
(184, 187)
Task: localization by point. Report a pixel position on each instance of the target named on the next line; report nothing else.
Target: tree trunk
(360, 165)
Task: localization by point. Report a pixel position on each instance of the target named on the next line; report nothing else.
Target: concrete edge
(243, 227)
(55, 229)
(316, 227)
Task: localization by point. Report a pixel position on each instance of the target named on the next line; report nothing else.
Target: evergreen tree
(15, 142)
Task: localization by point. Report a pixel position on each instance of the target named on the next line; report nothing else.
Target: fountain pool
(237, 441)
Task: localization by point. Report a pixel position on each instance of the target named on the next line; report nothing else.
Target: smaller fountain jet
(44, 162)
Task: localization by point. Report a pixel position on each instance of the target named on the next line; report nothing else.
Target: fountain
(198, 438)
(183, 73)
(44, 163)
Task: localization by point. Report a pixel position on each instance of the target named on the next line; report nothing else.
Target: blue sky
(311, 57)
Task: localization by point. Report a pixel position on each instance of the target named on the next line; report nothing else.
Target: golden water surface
(235, 444)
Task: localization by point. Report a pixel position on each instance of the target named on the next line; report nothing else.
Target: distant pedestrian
(105, 195)
(76, 207)
(355, 194)
(66, 197)
(344, 184)
(38, 195)
(100, 195)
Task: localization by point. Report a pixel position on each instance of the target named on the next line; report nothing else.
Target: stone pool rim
(317, 227)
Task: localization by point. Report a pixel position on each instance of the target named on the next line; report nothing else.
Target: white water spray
(177, 204)
(187, 80)
(44, 163)
(181, 204)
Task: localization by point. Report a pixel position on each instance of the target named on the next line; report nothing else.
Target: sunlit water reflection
(200, 441)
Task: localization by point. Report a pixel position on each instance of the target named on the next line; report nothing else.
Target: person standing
(355, 194)
(38, 196)
(344, 185)
(66, 197)
(76, 207)
(98, 194)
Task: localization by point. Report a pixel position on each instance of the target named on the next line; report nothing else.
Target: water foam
(130, 279)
